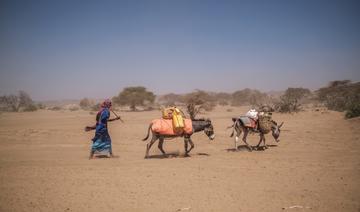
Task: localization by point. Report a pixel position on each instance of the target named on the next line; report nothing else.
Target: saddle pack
(177, 117)
(248, 122)
(165, 127)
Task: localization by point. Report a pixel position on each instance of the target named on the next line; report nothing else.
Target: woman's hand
(89, 128)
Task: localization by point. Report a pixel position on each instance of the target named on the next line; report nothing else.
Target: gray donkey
(197, 124)
(239, 126)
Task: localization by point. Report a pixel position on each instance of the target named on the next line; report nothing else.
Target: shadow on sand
(104, 156)
(245, 148)
(175, 155)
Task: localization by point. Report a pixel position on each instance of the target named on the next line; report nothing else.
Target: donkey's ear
(281, 125)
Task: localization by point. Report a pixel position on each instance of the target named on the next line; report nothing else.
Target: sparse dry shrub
(30, 108)
(26, 102)
(74, 108)
(55, 108)
(353, 110)
(222, 98)
(171, 99)
(248, 97)
(134, 96)
(21, 102)
(86, 104)
(291, 100)
(223, 103)
(341, 96)
(9, 103)
(197, 102)
(95, 107)
(41, 106)
(266, 108)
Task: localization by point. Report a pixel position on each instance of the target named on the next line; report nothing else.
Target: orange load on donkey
(165, 127)
(173, 122)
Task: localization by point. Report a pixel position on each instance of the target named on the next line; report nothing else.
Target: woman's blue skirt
(101, 143)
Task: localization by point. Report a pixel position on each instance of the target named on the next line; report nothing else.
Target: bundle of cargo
(177, 117)
(265, 122)
(166, 127)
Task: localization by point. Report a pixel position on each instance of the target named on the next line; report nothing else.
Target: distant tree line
(338, 95)
(343, 96)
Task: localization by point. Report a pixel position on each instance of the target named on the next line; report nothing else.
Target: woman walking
(102, 141)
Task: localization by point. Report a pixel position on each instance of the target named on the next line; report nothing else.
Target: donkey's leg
(261, 139)
(160, 145)
(148, 146)
(244, 139)
(266, 147)
(186, 145)
(236, 139)
(187, 139)
(191, 145)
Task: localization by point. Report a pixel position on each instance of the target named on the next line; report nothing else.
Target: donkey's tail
(148, 132)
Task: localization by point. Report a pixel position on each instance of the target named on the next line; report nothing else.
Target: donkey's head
(209, 129)
(276, 130)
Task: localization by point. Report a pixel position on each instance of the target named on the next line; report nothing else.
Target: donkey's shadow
(175, 155)
(243, 148)
(163, 156)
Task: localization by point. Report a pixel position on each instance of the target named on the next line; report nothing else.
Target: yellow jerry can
(178, 120)
(167, 113)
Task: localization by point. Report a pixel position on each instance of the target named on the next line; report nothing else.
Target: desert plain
(44, 165)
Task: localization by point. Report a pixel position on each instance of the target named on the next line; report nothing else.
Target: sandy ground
(44, 166)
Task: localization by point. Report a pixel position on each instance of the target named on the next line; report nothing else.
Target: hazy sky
(74, 49)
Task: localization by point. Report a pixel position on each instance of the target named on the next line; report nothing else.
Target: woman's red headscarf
(106, 104)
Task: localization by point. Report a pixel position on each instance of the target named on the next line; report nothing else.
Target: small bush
(266, 108)
(209, 106)
(55, 108)
(41, 106)
(223, 103)
(9, 103)
(197, 102)
(95, 107)
(86, 104)
(291, 100)
(74, 108)
(353, 111)
(30, 108)
(248, 97)
(171, 99)
(341, 96)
